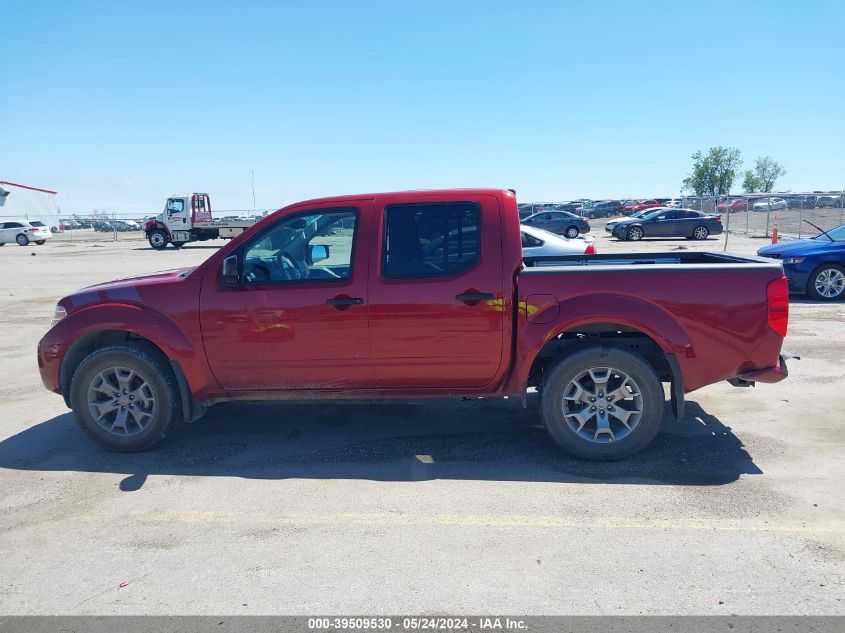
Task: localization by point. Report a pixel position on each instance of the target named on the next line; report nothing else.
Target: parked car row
(109, 226)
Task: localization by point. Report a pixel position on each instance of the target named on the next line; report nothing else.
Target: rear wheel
(827, 283)
(157, 239)
(602, 403)
(22, 240)
(125, 397)
(700, 233)
(635, 234)
(571, 232)
(41, 242)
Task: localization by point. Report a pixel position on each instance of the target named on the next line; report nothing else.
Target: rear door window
(430, 240)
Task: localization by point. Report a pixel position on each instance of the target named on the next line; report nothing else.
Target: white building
(25, 203)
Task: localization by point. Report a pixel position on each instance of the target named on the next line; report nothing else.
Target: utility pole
(252, 176)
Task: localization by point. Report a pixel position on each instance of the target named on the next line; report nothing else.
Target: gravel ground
(460, 507)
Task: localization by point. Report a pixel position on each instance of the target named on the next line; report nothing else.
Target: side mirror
(318, 253)
(229, 274)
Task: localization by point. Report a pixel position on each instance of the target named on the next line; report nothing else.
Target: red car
(737, 204)
(415, 295)
(632, 206)
(646, 204)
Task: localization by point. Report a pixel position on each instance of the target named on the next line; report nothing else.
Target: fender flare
(638, 314)
(144, 323)
(155, 225)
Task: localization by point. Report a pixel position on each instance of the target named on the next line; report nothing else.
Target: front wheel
(22, 240)
(125, 396)
(602, 403)
(157, 239)
(827, 283)
(635, 234)
(571, 232)
(700, 233)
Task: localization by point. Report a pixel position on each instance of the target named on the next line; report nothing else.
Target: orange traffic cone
(775, 231)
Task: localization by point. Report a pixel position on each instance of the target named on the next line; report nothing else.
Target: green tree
(764, 176)
(750, 184)
(713, 173)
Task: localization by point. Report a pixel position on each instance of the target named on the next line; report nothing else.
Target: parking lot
(426, 507)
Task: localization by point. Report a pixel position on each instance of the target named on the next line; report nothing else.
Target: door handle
(345, 301)
(474, 296)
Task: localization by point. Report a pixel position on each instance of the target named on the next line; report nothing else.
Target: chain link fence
(752, 214)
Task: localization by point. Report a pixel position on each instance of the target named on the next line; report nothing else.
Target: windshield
(837, 234)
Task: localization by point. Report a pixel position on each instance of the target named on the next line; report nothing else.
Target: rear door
(436, 291)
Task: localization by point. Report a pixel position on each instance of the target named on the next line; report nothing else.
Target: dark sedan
(606, 209)
(560, 222)
(815, 266)
(668, 222)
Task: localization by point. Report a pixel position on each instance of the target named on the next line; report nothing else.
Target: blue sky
(118, 104)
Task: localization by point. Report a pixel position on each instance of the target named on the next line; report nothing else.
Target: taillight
(718, 218)
(777, 305)
(590, 250)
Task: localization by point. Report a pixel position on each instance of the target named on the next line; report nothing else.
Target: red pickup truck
(410, 295)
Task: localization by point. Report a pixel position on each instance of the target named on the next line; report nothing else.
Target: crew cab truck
(187, 218)
(415, 295)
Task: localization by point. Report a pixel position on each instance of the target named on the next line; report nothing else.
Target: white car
(539, 243)
(637, 214)
(22, 233)
(675, 203)
(770, 204)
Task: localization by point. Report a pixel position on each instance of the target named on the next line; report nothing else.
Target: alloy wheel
(602, 405)
(830, 283)
(121, 401)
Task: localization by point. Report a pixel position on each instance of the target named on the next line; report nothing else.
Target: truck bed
(639, 261)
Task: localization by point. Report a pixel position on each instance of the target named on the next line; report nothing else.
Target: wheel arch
(101, 325)
(654, 334)
(156, 225)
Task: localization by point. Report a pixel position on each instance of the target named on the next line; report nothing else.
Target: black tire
(22, 240)
(571, 232)
(559, 377)
(833, 269)
(178, 244)
(634, 234)
(41, 242)
(157, 239)
(700, 232)
(151, 366)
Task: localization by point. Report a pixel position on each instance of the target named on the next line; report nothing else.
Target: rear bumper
(769, 374)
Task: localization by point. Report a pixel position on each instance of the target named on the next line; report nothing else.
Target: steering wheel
(290, 267)
(258, 272)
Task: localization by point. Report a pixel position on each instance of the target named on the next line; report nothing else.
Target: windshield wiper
(820, 229)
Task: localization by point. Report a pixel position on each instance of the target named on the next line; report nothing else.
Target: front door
(298, 317)
(436, 295)
(176, 214)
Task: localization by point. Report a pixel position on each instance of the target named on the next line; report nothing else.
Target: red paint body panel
(411, 337)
